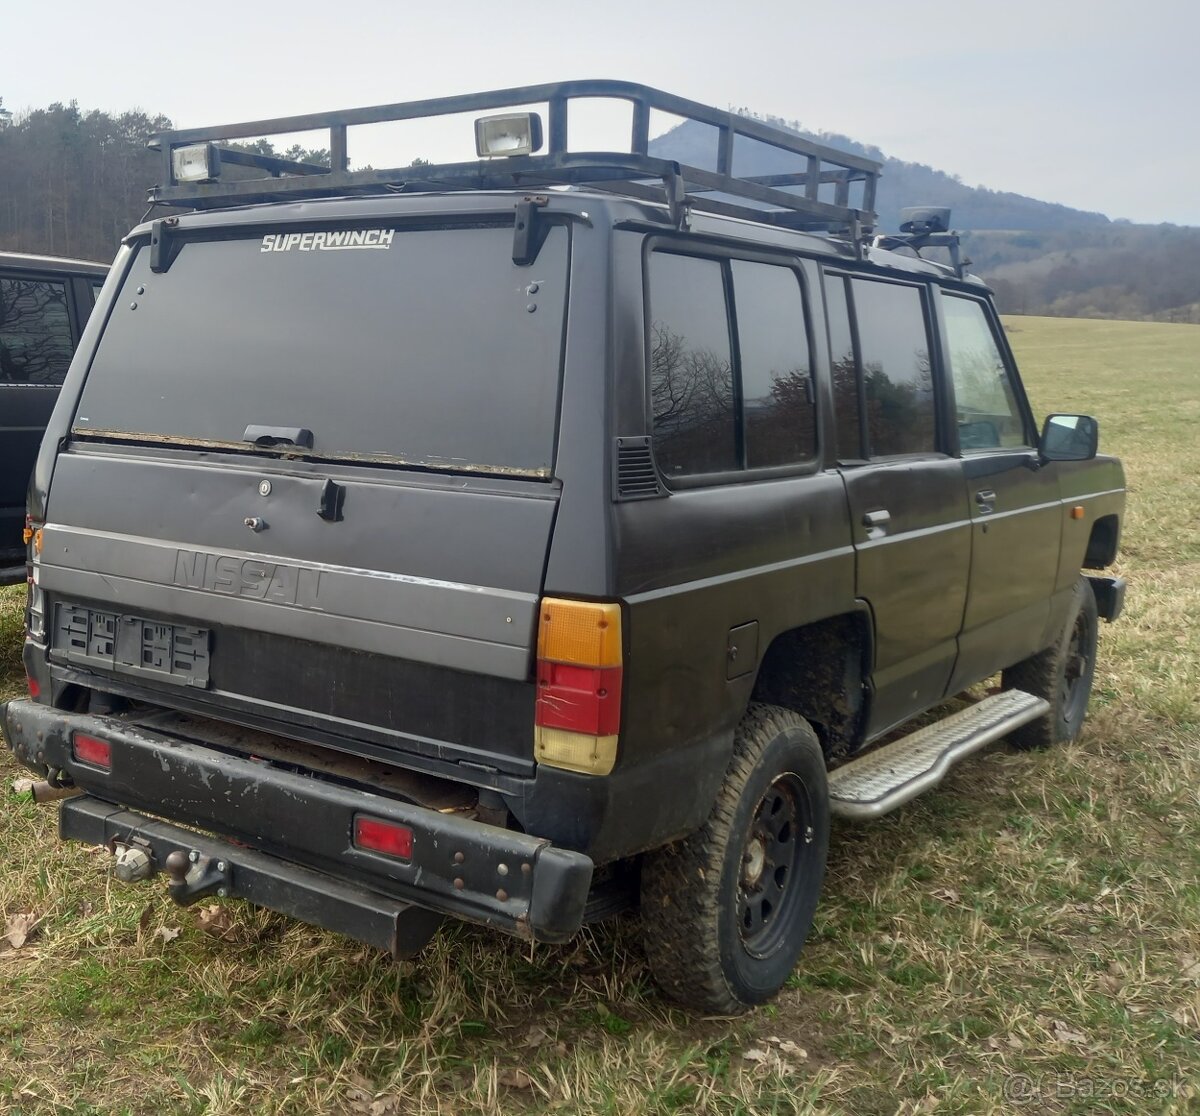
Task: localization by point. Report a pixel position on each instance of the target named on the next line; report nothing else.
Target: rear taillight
(35, 618)
(92, 750)
(579, 672)
(35, 691)
(377, 835)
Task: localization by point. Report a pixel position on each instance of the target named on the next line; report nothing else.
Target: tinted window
(846, 401)
(691, 367)
(773, 359)
(35, 331)
(986, 407)
(417, 347)
(894, 358)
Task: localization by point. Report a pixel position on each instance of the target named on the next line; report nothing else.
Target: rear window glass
(425, 347)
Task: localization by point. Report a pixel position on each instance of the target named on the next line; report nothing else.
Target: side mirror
(1069, 438)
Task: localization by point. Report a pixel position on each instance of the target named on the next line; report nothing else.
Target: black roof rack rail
(796, 200)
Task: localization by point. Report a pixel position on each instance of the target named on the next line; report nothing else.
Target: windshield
(425, 347)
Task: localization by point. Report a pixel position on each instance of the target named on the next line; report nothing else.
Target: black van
(526, 538)
(44, 303)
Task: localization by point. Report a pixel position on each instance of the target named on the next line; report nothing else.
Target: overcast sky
(1091, 104)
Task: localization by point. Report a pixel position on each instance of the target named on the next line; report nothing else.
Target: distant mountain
(1040, 257)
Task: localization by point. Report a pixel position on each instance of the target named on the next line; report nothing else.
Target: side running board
(881, 780)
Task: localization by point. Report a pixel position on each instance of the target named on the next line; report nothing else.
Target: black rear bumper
(392, 925)
(299, 831)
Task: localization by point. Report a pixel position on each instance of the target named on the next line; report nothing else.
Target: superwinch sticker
(328, 241)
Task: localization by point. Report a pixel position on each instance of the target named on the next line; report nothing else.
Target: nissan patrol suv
(44, 303)
(529, 537)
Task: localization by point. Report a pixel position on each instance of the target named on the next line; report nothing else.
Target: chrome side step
(888, 777)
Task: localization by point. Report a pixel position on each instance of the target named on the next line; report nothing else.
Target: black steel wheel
(726, 910)
(1062, 674)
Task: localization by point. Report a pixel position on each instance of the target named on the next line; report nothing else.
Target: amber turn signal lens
(1077, 512)
(580, 632)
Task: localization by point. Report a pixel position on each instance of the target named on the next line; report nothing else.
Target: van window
(895, 365)
(986, 408)
(773, 358)
(844, 370)
(35, 331)
(691, 367)
(423, 347)
(719, 407)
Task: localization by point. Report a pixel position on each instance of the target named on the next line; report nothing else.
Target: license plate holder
(133, 645)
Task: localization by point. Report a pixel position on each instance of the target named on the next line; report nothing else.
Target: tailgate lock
(193, 876)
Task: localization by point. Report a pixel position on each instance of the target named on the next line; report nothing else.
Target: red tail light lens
(35, 691)
(377, 835)
(93, 750)
(577, 718)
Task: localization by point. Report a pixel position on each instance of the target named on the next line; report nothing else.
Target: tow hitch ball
(192, 875)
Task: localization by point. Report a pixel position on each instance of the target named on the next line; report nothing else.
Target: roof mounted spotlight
(197, 162)
(510, 133)
(924, 219)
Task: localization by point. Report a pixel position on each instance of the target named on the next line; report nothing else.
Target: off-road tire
(699, 902)
(1062, 674)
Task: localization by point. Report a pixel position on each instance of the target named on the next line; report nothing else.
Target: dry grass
(1024, 939)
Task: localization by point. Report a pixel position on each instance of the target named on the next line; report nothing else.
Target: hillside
(1041, 257)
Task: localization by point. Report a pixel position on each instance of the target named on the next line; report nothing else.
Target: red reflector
(384, 837)
(88, 749)
(35, 691)
(579, 698)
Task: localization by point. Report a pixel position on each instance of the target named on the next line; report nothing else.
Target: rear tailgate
(369, 571)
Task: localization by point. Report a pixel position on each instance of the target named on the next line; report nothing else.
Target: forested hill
(72, 183)
(1041, 258)
(902, 183)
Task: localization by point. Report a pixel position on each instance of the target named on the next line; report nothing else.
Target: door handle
(986, 499)
(876, 523)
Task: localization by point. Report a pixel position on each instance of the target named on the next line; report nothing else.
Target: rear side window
(35, 331)
(897, 375)
(846, 397)
(422, 347)
(882, 372)
(730, 371)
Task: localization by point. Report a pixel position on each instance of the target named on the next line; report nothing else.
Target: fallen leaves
(18, 927)
(515, 1079)
(167, 933)
(780, 1055)
(216, 920)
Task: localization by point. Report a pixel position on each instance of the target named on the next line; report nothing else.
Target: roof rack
(794, 200)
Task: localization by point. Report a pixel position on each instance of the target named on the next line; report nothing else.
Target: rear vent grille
(637, 478)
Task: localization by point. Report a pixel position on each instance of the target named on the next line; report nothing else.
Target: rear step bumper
(483, 873)
(13, 575)
(396, 927)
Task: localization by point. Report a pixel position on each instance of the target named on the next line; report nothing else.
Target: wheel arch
(1103, 542)
(822, 671)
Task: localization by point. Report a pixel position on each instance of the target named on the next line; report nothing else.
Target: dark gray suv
(44, 303)
(532, 537)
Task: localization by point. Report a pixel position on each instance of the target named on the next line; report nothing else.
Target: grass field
(1024, 939)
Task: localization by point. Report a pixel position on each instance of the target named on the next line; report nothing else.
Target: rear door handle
(876, 523)
(986, 499)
